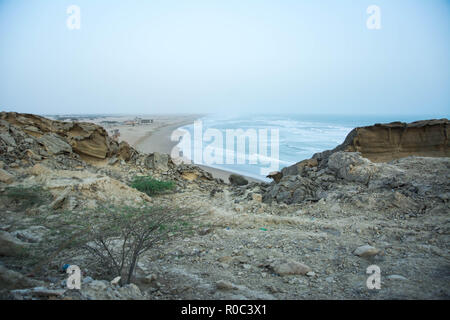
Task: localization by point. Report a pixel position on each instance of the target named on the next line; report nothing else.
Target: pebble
(115, 281)
(224, 285)
(87, 280)
(150, 278)
(291, 268)
(366, 251)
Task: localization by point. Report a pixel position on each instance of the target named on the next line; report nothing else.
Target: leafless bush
(118, 236)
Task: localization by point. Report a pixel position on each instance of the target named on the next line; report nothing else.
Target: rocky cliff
(58, 137)
(386, 142)
(310, 235)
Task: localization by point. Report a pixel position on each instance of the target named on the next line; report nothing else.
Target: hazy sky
(299, 56)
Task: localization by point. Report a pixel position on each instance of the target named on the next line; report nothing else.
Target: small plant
(117, 237)
(26, 197)
(151, 186)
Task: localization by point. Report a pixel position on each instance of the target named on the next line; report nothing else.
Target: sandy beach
(156, 136)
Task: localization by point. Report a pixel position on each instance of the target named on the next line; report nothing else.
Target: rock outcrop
(390, 141)
(415, 179)
(237, 180)
(85, 139)
(383, 143)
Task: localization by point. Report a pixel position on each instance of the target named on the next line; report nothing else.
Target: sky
(279, 56)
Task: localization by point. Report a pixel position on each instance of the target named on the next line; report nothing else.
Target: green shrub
(26, 197)
(151, 186)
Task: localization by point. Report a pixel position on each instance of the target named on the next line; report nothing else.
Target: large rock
(86, 139)
(91, 140)
(6, 137)
(299, 167)
(292, 189)
(11, 246)
(6, 177)
(351, 166)
(366, 251)
(10, 279)
(275, 176)
(158, 161)
(287, 268)
(125, 151)
(54, 144)
(237, 180)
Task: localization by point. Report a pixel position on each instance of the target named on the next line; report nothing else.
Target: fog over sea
(300, 136)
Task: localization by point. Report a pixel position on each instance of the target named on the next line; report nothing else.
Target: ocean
(286, 139)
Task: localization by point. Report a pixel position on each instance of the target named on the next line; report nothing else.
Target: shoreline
(159, 140)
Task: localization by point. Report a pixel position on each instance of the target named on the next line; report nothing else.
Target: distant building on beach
(137, 121)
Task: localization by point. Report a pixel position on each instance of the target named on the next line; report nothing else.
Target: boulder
(351, 166)
(125, 151)
(299, 167)
(11, 246)
(54, 144)
(290, 268)
(275, 176)
(116, 281)
(90, 140)
(6, 137)
(6, 177)
(60, 199)
(224, 285)
(366, 251)
(157, 161)
(10, 280)
(237, 180)
(292, 189)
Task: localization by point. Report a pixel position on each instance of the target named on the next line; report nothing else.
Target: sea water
(299, 137)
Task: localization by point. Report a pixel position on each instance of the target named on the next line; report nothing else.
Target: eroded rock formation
(85, 139)
(384, 143)
(390, 141)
